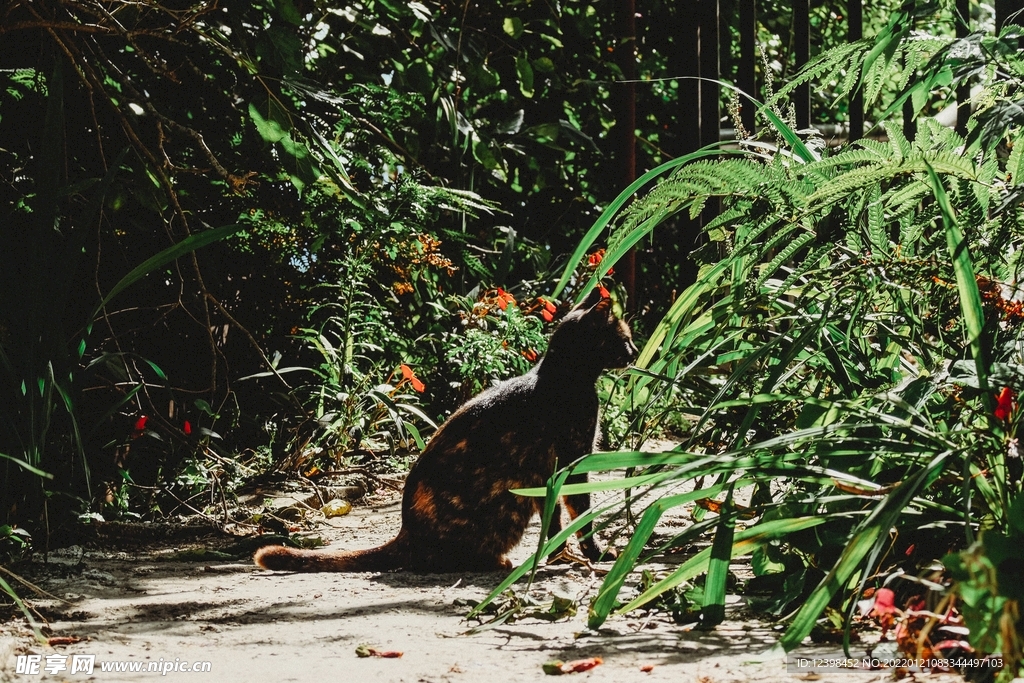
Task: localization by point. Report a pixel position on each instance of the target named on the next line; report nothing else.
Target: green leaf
(966, 282)
(713, 609)
(544, 65)
(274, 126)
(513, 26)
(187, 245)
(156, 369)
(289, 12)
(612, 209)
(31, 468)
(744, 542)
(525, 72)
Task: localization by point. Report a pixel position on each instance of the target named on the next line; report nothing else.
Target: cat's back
(509, 405)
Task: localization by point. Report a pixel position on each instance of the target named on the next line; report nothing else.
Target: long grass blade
(189, 244)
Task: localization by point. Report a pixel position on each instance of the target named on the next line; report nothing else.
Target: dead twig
(366, 473)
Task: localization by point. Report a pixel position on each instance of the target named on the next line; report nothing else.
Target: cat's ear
(594, 298)
(601, 303)
(602, 307)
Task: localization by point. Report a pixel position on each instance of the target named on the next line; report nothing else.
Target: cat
(457, 511)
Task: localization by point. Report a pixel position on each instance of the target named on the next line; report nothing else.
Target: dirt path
(253, 625)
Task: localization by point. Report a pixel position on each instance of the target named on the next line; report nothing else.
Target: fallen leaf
(557, 667)
(578, 665)
(647, 668)
(63, 640)
(367, 651)
(554, 667)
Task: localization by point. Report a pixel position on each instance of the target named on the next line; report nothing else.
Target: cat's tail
(392, 555)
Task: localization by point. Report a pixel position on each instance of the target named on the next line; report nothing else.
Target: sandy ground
(251, 624)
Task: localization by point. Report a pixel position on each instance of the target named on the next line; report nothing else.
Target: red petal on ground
(578, 665)
(885, 601)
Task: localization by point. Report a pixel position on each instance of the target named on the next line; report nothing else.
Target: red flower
(530, 355)
(187, 428)
(140, 427)
(885, 601)
(544, 313)
(884, 608)
(504, 299)
(604, 292)
(1004, 404)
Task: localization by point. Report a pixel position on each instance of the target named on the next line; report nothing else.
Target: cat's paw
(593, 552)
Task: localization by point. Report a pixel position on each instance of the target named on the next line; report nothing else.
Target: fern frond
(877, 234)
(948, 163)
(785, 255)
(804, 266)
(828, 66)
(899, 145)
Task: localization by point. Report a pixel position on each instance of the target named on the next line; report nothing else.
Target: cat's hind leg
(576, 505)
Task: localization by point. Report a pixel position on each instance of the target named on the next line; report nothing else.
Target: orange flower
(408, 374)
(504, 299)
(547, 310)
(594, 260)
(1004, 404)
(530, 355)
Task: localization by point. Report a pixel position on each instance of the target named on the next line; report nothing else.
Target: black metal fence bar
(855, 31)
(963, 92)
(710, 110)
(748, 60)
(802, 54)
(700, 31)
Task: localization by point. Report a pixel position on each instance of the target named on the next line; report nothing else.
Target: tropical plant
(841, 352)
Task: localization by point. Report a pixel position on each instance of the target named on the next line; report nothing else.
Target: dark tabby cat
(457, 512)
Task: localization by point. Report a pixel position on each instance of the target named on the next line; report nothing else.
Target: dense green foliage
(294, 234)
(854, 357)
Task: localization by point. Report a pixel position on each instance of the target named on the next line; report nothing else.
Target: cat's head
(592, 330)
